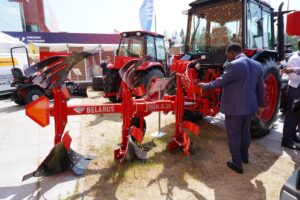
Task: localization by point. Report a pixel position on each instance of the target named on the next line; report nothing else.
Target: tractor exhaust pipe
(280, 36)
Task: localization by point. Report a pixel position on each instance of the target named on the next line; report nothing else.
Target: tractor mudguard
(148, 65)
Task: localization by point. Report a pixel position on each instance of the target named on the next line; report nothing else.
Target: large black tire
(32, 95)
(261, 126)
(97, 83)
(16, 97)
(149, 79)
(192, 116)
(112, 83)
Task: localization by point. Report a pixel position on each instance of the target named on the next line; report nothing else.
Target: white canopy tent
(7, 42)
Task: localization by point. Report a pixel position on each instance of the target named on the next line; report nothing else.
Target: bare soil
(166, 175)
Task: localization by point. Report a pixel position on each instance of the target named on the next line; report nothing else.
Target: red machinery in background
(134, 46)
(28, 84)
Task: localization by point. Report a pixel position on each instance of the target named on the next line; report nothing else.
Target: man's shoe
(290, 146)
(245, 161)
(296, 138)
(235, 168)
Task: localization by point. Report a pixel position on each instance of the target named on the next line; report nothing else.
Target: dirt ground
(204, 175)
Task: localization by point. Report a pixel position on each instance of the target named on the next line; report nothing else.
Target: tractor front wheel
(149, 81)
(261, 126)
(112, 83)
(32, 95)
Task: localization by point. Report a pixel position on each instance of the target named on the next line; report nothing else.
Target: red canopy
(293, 23)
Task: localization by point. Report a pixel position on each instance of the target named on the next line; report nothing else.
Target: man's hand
(200, 85)
(259, 112)
(287, 70)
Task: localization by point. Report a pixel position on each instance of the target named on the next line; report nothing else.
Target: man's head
(107, 59)
(233, 50)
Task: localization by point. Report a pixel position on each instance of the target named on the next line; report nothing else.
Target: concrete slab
(23, 146)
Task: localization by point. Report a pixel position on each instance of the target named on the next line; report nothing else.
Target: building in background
(27, 16)
(33, 22)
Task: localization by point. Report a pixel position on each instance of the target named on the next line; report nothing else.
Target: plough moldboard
(133, 111)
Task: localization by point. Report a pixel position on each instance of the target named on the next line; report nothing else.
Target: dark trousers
(292, 118)
(291, 121)
(239, 137)
(292, 92)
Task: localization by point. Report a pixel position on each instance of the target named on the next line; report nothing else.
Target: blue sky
(103, 16)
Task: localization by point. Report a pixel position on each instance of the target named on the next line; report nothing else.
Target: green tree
(292, 40)
(182, 37)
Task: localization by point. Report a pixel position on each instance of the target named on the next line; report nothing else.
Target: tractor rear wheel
(149, 80)
(261, 126)
(32, 95)
(171, 86)
(112, 83)
(97, 83)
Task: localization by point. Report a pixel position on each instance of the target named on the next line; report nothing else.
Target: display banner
(146, 15)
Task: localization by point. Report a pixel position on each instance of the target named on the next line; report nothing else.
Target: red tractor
(29, 87)
(145, 49)
(212, 25)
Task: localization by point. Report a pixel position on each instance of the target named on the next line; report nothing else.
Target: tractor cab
(138, 44)
(212, 25)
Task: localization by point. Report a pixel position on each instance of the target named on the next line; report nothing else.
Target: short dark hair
(236, 47)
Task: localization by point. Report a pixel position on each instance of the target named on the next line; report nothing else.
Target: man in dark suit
(242, 97)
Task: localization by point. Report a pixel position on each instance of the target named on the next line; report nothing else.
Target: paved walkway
(272, 141)
(23, 145)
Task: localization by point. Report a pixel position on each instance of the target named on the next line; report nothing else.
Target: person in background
(234, 38)
(242, 98)
(104, 64)
(26, 67)
(289, 135)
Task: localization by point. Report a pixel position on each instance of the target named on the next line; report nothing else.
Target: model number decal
(154, 107)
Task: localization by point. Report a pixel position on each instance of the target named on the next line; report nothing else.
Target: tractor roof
(132, 33)
(199, 3)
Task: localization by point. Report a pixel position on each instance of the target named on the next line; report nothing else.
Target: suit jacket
(243, 86)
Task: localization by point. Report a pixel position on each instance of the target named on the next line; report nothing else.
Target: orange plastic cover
(39, 111)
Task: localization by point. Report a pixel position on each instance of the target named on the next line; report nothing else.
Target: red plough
(132, 110)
